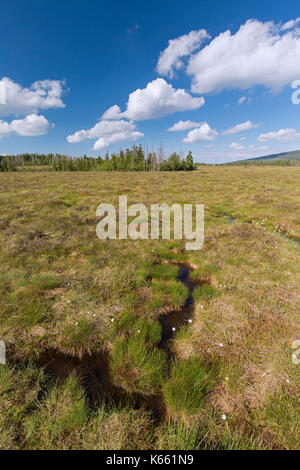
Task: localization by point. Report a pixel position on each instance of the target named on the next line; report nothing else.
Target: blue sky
(65, 63)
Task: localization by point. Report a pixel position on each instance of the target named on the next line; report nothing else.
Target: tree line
(271, 162)
(133, 159)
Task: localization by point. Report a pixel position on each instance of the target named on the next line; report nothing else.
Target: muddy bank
(94, 375)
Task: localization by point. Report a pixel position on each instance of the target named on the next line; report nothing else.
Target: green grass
(204, 291)
(230, 440)
(143, 329)
(118, 429)
(143, 271)
(77, 336)
(188, 385)
(57, 423)
(147, 331)
(178, 436)
(19, 391)
(164, 271)
(126, 321)
(204, 272)
(282, 417)
(173, 292)
(155, 303)
(36, 413)
(137, 367)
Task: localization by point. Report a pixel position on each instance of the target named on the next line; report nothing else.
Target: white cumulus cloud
(158, 99)
(257, 54)
(170, 58)
(43, 94)
(107, 132)
(202, 133)
(244, 126)
(184, 125)
(236, 146)
(114, 112)
(283, 135)
(290, 24)
(117, 137)
(31, 125)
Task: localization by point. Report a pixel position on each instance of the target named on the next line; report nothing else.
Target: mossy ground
(60, 288)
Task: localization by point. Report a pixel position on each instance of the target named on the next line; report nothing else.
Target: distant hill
(283, 158)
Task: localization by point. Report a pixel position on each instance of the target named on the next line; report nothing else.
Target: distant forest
(267, 162)
(133, 159)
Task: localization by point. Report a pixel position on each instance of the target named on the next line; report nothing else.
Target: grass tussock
(19, 392)
(281, 417)
(204, 292)
(137, 367)
(188, 385)
(142, 329)
(169, 294)
(57, 423)
(204, 274)
(118, 429)
(180, 436)
(164, 271)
